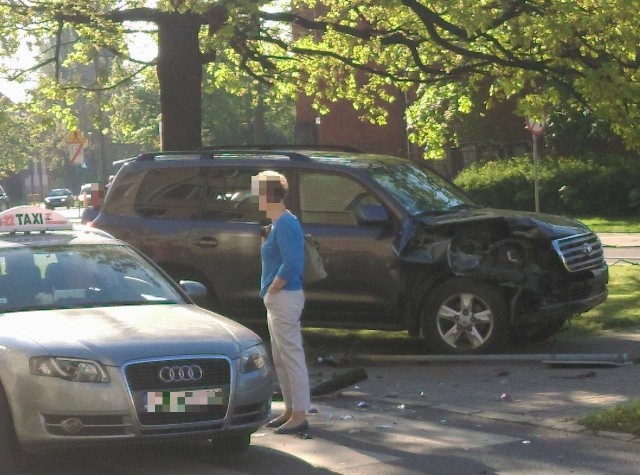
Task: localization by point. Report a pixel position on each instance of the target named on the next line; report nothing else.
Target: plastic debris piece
(443, 421)
(327, 360)
(356, 387)
(363, 404)
(590, 374)
(505, 397)
(339, 381)
(421, 393)
(402, 406)
(347, 417)
(526, 441)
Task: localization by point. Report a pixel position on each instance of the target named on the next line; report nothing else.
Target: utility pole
(536, 129)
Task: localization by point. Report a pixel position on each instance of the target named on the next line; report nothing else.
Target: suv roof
(340, 156)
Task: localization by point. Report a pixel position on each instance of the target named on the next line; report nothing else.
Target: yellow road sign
(75, 136)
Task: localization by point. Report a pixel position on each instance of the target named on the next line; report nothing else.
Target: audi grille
(178, 374)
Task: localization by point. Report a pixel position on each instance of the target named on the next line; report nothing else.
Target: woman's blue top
(283, 254)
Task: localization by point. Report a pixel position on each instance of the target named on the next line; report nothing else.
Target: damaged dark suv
(403, 248)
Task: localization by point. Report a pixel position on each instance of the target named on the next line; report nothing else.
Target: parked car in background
(59, 197)
(4, 199)
(100, 346)
(85, 190)
(403, 248)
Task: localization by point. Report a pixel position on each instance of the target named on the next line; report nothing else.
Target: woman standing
(281, 289)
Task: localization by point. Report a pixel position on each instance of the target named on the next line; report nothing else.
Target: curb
(576, 359)
(561, 424)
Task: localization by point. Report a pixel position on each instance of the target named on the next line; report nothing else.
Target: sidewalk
(521, 392)
(620, 239)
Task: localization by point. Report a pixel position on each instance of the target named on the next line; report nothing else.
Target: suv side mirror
(371, 215)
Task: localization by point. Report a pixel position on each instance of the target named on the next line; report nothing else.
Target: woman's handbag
(313, 265)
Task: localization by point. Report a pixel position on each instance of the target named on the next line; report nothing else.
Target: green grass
(612, 225)
(622, 418)
(621, 311)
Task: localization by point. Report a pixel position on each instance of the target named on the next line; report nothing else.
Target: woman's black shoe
(274, 423)
(293, 430)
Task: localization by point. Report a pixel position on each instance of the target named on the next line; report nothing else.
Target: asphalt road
(380, 439)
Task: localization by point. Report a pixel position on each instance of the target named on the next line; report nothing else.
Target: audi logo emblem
(175, 374)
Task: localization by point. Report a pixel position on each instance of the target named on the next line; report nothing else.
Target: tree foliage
(451, 56)
(556, 57)
(14, 139)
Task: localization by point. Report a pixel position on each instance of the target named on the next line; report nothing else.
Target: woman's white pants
(283, 317)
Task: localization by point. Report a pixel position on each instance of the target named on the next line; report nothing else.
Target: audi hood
(114, 335)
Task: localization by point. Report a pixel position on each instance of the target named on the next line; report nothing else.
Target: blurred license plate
(200, 400)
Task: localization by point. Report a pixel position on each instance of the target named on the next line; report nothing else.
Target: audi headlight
(71, 369)
(253, 359)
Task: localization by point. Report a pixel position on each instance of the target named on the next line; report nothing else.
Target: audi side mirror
(195, 290)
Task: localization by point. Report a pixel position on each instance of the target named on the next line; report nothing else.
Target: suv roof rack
(211, 154)
(284, 147)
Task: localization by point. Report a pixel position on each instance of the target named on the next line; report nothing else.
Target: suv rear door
(154, 211)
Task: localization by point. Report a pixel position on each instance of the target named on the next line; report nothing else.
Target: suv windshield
(60, 276)
(419, 191)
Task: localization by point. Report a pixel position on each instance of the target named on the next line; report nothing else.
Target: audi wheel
(464, 316)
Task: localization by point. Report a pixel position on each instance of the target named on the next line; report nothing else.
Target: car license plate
(200, 400)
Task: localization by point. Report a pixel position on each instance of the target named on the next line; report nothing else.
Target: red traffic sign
(535, 127)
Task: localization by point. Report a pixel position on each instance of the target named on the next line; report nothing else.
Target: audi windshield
(419, 191)
(59, 276)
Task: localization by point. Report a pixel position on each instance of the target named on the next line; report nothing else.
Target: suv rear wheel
(464, 316)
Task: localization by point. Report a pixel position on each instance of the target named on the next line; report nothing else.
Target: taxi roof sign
(32, 219)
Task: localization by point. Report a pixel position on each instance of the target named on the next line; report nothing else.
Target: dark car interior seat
(55, 278)
(23, 278)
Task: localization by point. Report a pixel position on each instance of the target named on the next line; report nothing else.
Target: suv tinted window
(331, 199)
(228, 196)
(173, 193)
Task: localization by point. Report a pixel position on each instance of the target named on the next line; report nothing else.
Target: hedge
(602, 186)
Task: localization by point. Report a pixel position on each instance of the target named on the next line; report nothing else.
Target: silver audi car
(98, 345)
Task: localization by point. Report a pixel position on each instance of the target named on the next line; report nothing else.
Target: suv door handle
(206, 241)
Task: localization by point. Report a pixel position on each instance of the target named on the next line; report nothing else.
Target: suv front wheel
(464, 316)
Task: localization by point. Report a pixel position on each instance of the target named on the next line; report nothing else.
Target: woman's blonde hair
(270, 183)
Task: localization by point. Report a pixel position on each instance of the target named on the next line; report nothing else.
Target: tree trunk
(259, 126)
(180, 78)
